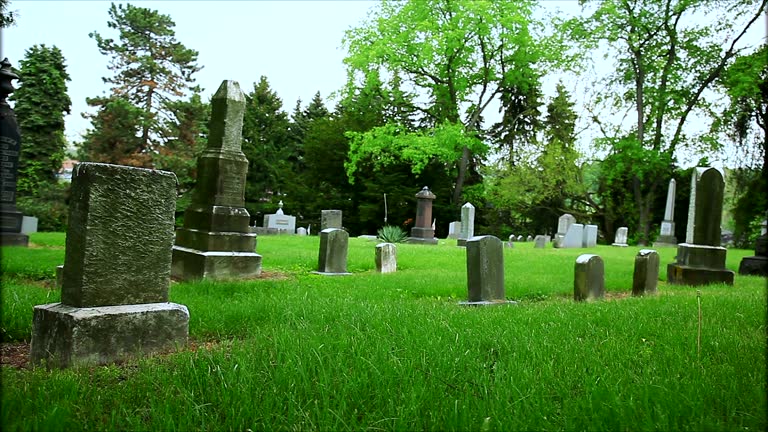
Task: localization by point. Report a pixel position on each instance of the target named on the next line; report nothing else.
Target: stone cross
(117, 268)
(422, 231)
(589, 278)
(645, 278)
(467, 224)
(485, 270)
(330, 219)
(332, 259)
(386, 258)
(10, 148)
(216, 241)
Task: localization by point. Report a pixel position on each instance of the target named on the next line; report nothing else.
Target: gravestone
(512, 240)
(621, 237)
(589, 278)
(10, 147)
(280, 222)
(301, 231)
(386, 258)
(589, 236)
(422, 232)
(216, 241)
(332, 259)
(574, 238)
(563, 224)
(645, 278)
(667, 236)
(29, 225)
(467, 224)
(485, 271)
(701, 259)
(529, 238)
(757, 265)
(330, 219)
(454, 229)
(520, 238)
(116, 274)
(541, 241)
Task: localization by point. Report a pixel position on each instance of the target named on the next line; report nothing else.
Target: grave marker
(485, 271)
(422, 232)
(332, 259)
(621, 237)
(589, 278)
(645, 278)
(386, 258)
(467, 224)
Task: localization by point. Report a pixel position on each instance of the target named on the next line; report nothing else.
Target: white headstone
(467, 221)
(574, 237)
(621, 237)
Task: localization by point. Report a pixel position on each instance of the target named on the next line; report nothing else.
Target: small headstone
(28, 225)
(646, 274)
(574, 238)
(563, 224)
(467, 224)
(332, 259)
(422, 232)
(541, 241)
(520, 238)
(59, 276)
(301, 231)
(589, 236)
(757, 265)
(454, 229)
(589, 278)
(117, 268)
(511, 242)
(386, 258)
(485, 271)
(529, 238)
(621, 237)
(330, 219)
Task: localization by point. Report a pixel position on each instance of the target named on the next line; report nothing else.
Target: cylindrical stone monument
(10, 147)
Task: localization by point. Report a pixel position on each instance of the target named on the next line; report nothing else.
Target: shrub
(392, 234)
(50, 206)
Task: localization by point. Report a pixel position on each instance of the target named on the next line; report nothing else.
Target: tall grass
(396, 352)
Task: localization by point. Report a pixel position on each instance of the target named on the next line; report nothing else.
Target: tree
(115, 136)
(151, 68)
(185, 137)
(7, 18)
(41, 103)
(668, 53)
(458, 56)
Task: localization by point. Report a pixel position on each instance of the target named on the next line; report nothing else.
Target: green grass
(396, 352)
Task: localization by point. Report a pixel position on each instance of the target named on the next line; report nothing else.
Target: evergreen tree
(115, 136)
(41, 103)
(185, 137)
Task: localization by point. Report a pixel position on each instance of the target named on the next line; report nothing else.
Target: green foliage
(392, 234)
(185, 137)
(115, 136)
(50, 205)
(41, 103)
(7, 18)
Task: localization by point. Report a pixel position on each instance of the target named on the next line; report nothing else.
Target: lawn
(299, 351)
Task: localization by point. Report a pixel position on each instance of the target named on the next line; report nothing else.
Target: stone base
(487, 303)
(65, 336)
(754, 266)
(14, 239)
(679, 274)
(192, 264)
(419, 240)
(461, 242)
(331, 274)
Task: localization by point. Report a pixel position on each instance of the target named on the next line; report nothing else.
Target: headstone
(280, 222)
(541, 241)
(454, 229)
(330, 219)
(422, 232)
(646, 274)
(59, 276)
(574, 238)
(301, 231)
(216, 241)
(757, 265)
(529, 238)
(589, 236)
(117, 268)
(368, 237)
(512, 240)
(29, 225)
(467, 224)
(667, 236)
(701, 259)
(10, 146)
(520, 238)
(589, 278)
(386, 258)
(332, 259)
(563, 224)
(621, 237)
(485, 271)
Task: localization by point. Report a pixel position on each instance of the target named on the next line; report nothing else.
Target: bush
(50, 206)
(392, 234)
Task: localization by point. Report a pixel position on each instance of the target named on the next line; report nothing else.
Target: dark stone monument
(701, 259)
(332, 259)
(216, 241)
(645, 278)
(757, 265)
(589, 278)
(485, 271)
(10, 146)
(117, 269)
(422, 232)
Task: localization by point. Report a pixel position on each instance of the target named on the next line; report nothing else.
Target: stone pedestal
(422, 232)
(667, 236)
(756, 265)
(216, 241)
(621, 237)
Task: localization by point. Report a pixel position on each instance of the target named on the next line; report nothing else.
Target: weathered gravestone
(422, 231)
(330, 219)
(216, 241)
(10, 146)
(454, 229)
(757, 265)
(564, 222)
(117, 268)
(29, 225)
(541, 241)
(701, 259)
(386, 258)
(589, 238)
(667, 236)
(467, 224)
(621, 237)
(485, 271)
(574, 238)
(645, 278)
(332, 259)
(589, 278)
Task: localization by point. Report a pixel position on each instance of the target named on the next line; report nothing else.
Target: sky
(297, 45)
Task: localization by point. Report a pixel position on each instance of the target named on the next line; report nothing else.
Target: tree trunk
(463, 165)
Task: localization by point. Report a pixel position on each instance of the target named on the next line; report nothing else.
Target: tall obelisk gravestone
(422, 231)
(701, 259)
(117, 269)
(667, 236)
(216, 241)
(10, 145)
